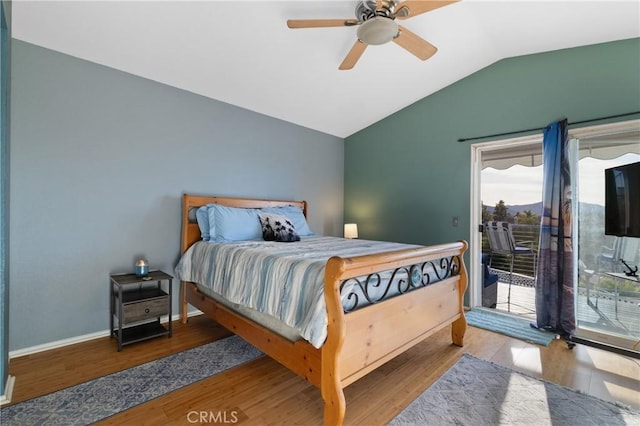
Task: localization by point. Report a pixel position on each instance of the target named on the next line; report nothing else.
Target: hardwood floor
(263, 392)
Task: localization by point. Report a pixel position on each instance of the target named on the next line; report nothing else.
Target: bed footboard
(431, 282)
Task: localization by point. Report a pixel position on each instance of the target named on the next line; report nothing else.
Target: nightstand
(137, 305)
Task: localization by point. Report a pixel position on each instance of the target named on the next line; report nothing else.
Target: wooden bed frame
(359, 341)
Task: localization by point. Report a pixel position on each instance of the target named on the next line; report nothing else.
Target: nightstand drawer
(145, 309)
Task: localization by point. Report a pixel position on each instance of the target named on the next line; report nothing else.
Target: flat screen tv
(622, 200)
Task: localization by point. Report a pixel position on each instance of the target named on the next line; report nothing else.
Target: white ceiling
(242, 53)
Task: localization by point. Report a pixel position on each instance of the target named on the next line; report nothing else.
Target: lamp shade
(351, 230)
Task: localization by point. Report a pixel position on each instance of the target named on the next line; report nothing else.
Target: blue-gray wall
(5, 56)
(99, 161)
(406, 176)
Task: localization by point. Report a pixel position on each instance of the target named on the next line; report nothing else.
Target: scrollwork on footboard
(362, 291)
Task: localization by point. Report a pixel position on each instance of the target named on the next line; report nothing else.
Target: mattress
(282, 283)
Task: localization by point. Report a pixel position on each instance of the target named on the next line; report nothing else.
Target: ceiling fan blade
(352, 57)
(415, 44)
(317, 23)
(417, 7)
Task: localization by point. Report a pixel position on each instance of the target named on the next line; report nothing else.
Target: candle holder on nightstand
(142, 268)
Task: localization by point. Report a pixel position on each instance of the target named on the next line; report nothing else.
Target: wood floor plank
(263, 392)
(48, 371)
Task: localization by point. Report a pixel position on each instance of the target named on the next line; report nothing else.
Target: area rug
(108, 395)
(508, 325)
(477, 393)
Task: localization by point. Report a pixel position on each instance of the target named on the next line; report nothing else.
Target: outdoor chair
(610, 262)
(627, 249)
(502, 242)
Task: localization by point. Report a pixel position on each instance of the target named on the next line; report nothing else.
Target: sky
(523, 185)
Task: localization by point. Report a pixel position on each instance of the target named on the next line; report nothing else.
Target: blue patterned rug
(103, 397)
(508, 325)
(478, 393)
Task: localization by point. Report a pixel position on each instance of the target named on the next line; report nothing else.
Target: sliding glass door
(607, 302)
(607, 306)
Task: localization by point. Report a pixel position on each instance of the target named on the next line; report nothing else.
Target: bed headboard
(190, 202)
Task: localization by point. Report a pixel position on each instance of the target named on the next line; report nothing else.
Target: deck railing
(525, 235)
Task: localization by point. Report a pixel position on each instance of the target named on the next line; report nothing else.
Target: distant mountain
(536, 208)
(591, 209)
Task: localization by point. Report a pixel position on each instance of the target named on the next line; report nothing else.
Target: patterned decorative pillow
(276, 227)
(295, 215)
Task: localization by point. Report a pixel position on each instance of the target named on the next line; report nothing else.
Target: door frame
(475, 236)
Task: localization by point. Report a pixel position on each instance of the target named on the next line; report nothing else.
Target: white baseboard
(79, 339)
(57, 344)
(8, 391)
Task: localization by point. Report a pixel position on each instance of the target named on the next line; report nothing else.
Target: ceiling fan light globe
(377, 30)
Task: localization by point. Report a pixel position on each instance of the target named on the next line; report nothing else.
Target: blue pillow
(235, 224)
(207, 228)
(296, 217)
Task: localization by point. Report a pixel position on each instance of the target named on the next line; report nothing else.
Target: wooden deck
(599, 311)
(523, 300)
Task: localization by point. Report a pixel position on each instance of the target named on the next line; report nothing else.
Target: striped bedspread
(284, 280)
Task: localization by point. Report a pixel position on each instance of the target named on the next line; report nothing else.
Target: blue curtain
(554, 286)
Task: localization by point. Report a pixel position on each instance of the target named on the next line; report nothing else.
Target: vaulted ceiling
(242, 53)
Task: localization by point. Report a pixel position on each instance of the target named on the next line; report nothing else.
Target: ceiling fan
(376, 22)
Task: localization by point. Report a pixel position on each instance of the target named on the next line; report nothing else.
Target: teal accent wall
(99, 162)
(406, 176)
(5, 61)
